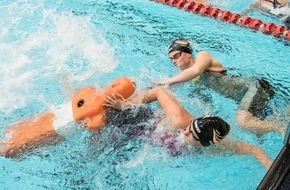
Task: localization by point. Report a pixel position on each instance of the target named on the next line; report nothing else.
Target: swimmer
(252, 95)
(203, 131)
(279, 8)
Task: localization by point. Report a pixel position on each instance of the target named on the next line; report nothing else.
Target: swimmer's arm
(202, 62)
(177, 114)
(179, 117)
(242, 148)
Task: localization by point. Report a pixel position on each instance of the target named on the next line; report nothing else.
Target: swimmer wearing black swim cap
(209, 128)
(179, 45)
(203, 69)
(197, 132)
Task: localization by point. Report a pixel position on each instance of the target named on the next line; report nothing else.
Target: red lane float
(279, 31)
(255, 24)
(214, 13)
(248, 22)
(229, 17)
(206, 10)
(172, 2)
(226, 16)
(268, 28)
(234, 18)
(197, 8)
(180, 4)
(188, 6)
(86, 107)
(244, 22)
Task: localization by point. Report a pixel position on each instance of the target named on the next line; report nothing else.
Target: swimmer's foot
(282, 131)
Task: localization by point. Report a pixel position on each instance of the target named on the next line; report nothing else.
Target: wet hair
(210, 128)
(180, 45)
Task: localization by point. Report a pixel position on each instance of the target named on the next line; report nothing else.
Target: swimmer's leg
(254, 124)
(251, 106)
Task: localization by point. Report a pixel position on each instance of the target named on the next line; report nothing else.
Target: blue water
(95, 42)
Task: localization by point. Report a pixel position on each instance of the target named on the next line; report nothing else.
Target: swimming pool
(95, 42)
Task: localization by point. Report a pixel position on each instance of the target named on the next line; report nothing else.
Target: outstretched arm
(177, 114)
(202, 62)
(239, 147)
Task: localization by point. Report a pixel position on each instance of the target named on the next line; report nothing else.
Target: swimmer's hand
(162, 83)
(116, 101)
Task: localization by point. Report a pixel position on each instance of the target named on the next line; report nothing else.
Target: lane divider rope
(278, 31)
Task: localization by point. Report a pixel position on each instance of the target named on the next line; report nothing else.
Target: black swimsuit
(276, 4)
(122, 126)
(251, 94)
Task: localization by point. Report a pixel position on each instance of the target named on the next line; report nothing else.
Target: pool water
(49, 45)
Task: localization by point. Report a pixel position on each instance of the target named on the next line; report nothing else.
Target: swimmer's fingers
(110, 102)
(120, 97)
(113, 102)
(154, 84)
(161, 83)
(117, 96)
(113, 96)
(109, 99)
(115, 106)
(108, 105)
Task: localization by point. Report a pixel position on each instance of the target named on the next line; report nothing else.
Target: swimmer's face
(190, 136)
(179, 59)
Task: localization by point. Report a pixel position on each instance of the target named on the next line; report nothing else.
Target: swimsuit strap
(220, 72)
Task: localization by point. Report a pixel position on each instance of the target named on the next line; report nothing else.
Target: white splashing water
(45, 48)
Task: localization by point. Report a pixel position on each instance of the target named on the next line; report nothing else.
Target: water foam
(57, 43)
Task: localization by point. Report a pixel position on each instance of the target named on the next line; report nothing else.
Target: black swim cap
(210, 128)
(178, 45)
